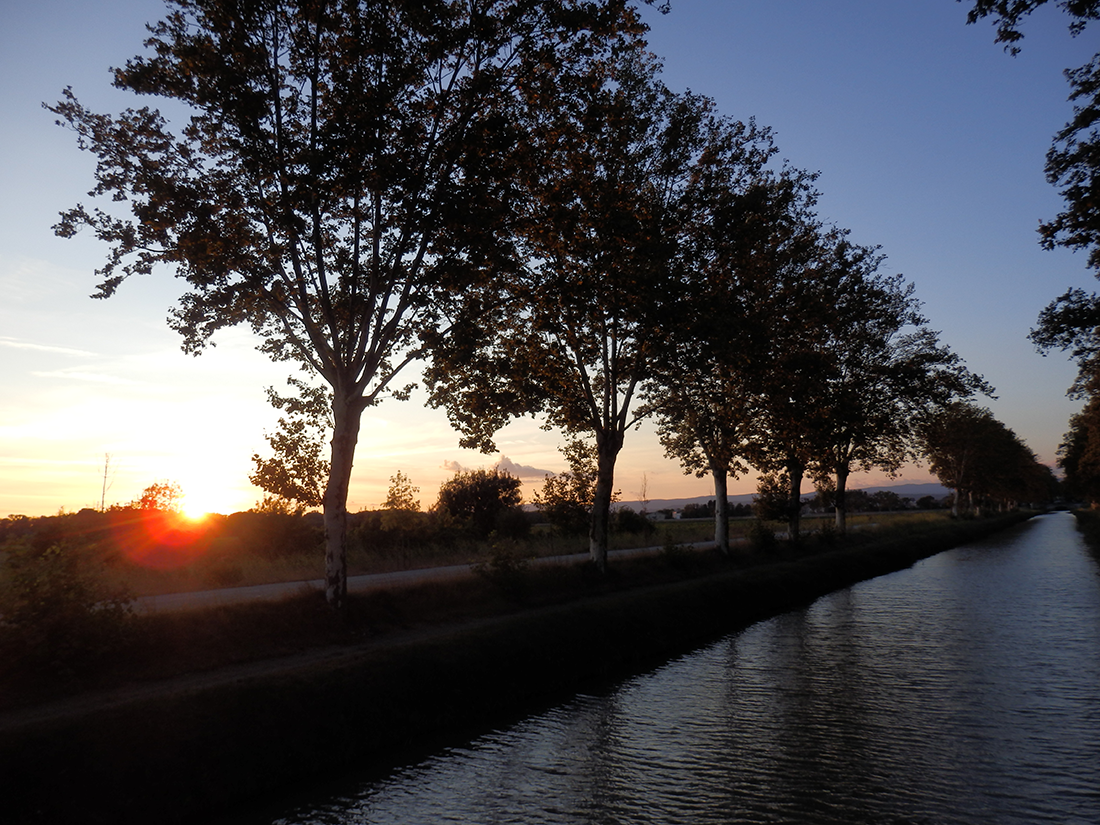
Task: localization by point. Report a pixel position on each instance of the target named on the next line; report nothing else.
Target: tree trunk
(840, 500)
(607, 451)
(721, 511)
(346, 417)
(795, 472)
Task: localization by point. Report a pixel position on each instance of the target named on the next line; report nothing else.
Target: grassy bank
(402, 668)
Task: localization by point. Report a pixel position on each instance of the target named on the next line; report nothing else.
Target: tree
(888, 372)
(566, 498)
(344, 168)
(478, 499)
(1072, 324)
(1072, 161)
(772, 499)
(615, 167)
(745, 234)
(165, 496)
(400, 494)
(981, 459)
(789, 382)
(297, 470)
(1079, 453)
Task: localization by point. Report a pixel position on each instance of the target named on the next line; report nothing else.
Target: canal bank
(195, 748)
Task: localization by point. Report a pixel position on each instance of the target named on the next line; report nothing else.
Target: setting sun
(196, 512)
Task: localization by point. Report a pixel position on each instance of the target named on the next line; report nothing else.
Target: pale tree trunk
(840, 500)
(721, 511)
(795, 472)
(607, 450)
(346, 417)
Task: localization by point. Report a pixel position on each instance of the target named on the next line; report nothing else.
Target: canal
(965, 689)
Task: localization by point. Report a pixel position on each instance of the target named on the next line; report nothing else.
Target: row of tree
(506, 190)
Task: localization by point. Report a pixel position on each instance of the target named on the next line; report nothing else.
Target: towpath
(180, 602)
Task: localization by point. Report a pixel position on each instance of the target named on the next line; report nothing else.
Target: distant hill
(913, 491)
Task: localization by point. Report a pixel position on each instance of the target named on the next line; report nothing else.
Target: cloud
(15, 343)
(93, 377)
(506, 465)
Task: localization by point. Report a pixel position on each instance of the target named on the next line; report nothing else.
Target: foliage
(762, 536)
(628, 520)
(1079, 453)
(982, 460)
(617, 169)
(747, 234)
(507, 569)
(166, 496)
(400, 494)
(275, 505)
(481, 500)
(565, 499)
(771, 501)
(341, 170)
(58, 614)
(297, 470)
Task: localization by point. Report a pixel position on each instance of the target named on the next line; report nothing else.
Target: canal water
(965, 689)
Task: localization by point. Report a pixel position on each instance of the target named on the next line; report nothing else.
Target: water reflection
(964, 690)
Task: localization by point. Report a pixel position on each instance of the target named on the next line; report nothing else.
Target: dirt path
(198, 600)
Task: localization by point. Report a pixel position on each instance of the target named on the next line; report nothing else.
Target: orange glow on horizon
(162, 540)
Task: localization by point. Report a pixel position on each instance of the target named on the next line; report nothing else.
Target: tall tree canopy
(982, 460)
(617, 165)
(339, 170)
(742, 241)
(887, 373)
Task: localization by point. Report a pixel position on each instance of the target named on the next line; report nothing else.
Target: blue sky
(929, 140)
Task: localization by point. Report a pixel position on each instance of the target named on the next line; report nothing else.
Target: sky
(929, 140)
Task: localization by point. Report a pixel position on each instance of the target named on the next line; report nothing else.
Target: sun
(200, 501)
(194, 510)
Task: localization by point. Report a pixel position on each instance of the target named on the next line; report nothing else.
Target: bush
(506, 569)
(476, 500)
(628, 521)
(762, 536)
(58, 614)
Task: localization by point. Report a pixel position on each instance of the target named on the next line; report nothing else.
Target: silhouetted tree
(400, 494)
(614, 170)
(478, 499)
(747, 229)
(1073, 162)
(1079, 453)
(565, 499)
(166, 496)
(981, 459)
(296, 471)
(343, 168)
(888, 371)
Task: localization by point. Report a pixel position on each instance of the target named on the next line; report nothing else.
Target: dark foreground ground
(203, 712)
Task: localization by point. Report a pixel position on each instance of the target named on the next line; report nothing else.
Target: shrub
(762, 536)
(58, 613)
(506, 569)
(626, 520)
(476, 499)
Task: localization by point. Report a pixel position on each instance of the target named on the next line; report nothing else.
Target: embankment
(189, 749)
